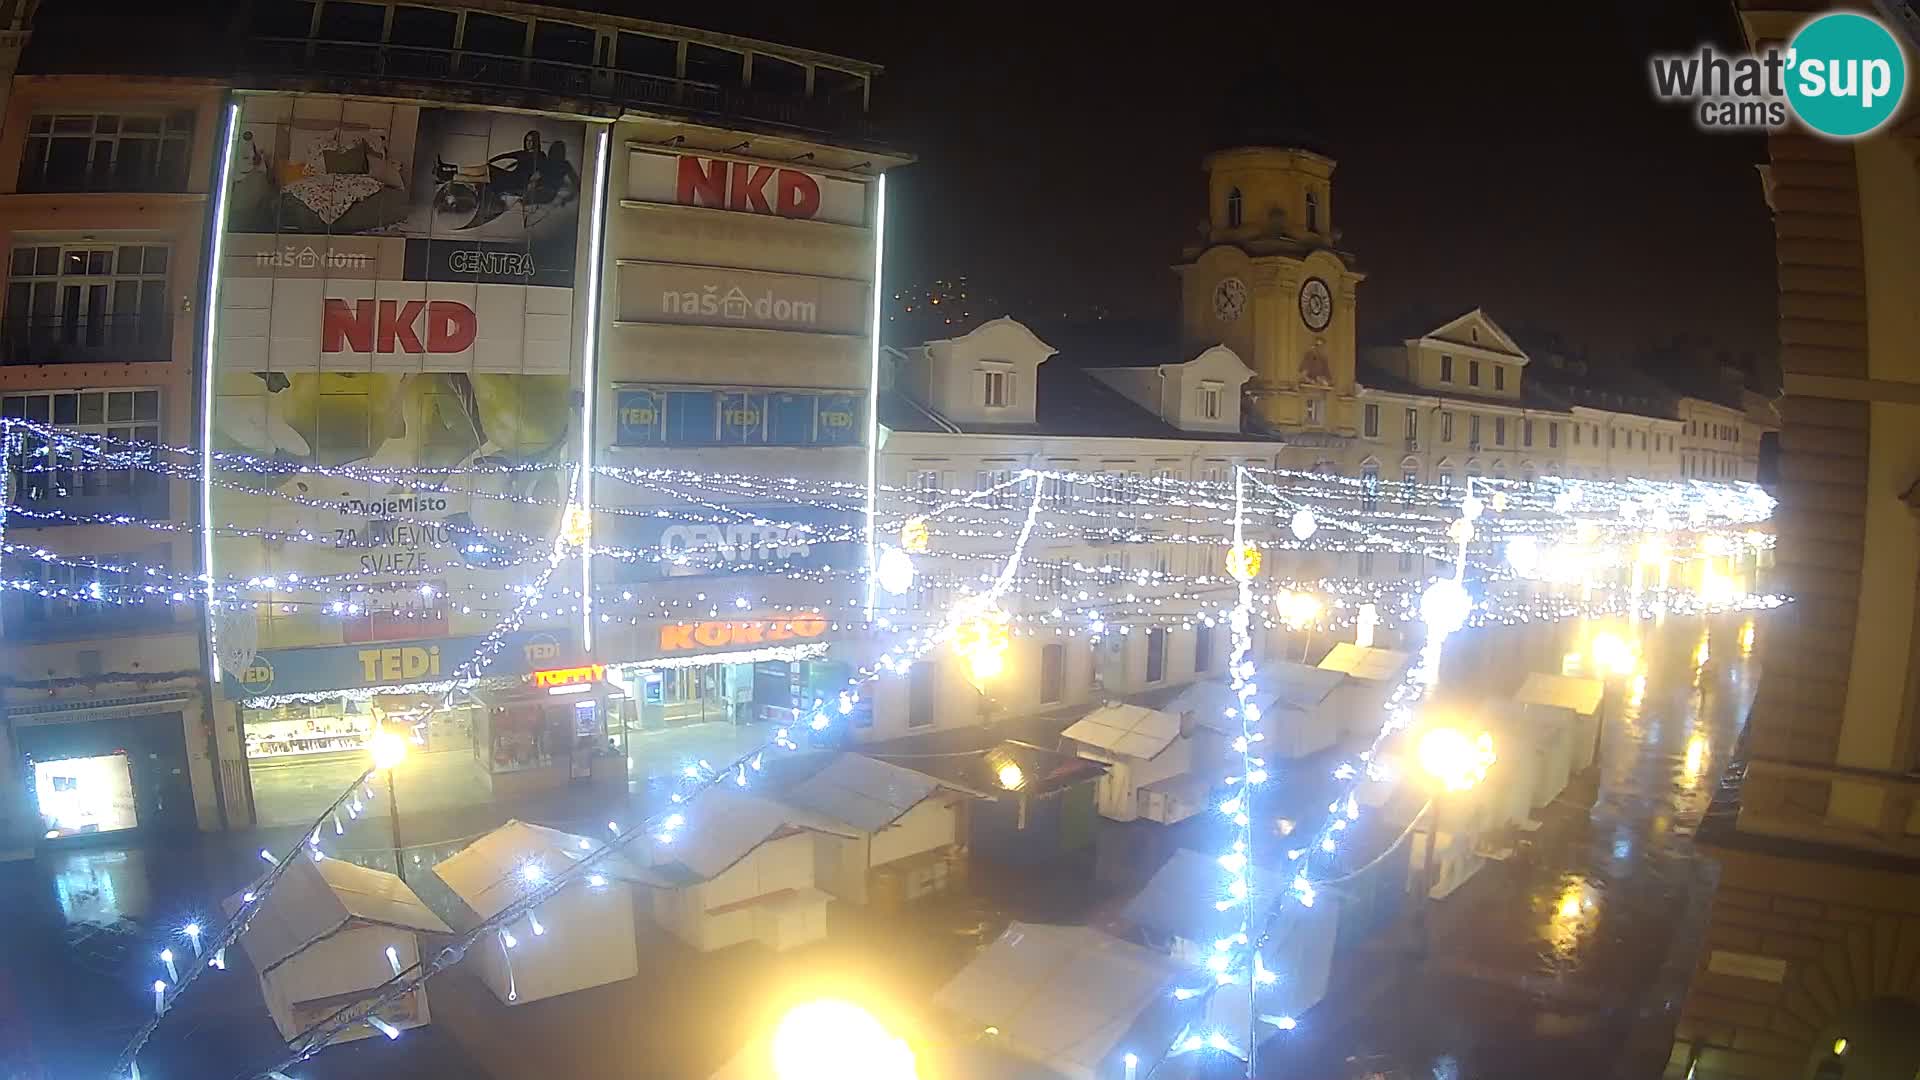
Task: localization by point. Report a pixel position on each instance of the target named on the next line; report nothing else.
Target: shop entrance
(108, 776)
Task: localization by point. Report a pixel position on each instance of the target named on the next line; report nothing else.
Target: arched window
(1235, 209)
(1313, 211)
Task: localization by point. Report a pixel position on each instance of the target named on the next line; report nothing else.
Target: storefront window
(301, 754)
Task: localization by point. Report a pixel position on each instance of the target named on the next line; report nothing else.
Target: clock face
(1229, 299)
(1316, 304)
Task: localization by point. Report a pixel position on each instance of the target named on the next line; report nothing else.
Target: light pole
(1453, 762)
(389, 750)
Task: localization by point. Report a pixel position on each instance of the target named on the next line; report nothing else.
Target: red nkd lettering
(388, 326)
(739, 185)
(797, 195)
(701, 183)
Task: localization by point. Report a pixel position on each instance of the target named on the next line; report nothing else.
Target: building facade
(1808, 966)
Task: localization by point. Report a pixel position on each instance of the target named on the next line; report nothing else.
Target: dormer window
(1210, 400)
(996, 387)
(1313, 211)
(1236, 209)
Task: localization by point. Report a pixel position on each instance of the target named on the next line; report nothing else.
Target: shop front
(307, 717)
(97, 770)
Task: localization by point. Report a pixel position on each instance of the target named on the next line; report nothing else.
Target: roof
(859, 791)
(1040, 772)
(1065, 996)
(1566, 691)
(1282, 685)
(488, 873)
(1127, 730)
(314, 900)
(1367, 664)
(723, 827)
(1532, 396)
(1180, 898)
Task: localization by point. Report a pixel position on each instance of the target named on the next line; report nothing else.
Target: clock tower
(1267, 282)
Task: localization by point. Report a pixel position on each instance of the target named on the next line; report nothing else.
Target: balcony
(87, 339)
(33, 620)
(1833, 805)
(127, 177)
(843, 113)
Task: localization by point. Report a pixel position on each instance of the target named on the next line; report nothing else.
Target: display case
(527, 739)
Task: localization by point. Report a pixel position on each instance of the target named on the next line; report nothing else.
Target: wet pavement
(1569, 959)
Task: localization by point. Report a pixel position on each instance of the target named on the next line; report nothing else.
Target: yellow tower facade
(1268, 282)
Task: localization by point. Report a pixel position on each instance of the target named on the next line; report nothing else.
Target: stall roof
(1565, 691)
(1127, 730)
(723, 827)
(1368, 664)
(861, 791)
(314, 900)
(1180, 898)
(488, 873)
(1065, 996)
(1011, 766)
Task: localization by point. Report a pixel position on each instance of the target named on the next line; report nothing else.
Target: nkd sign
(404, 326)
(745, 187)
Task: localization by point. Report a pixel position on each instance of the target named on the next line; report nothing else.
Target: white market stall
(328, 932)
(741, 870)
(1142, 748)
(1579, 698)
(905, 831)
(1070, 999)
(1178, 913)
(1373, 674)
(1295, 714)
(581, 937)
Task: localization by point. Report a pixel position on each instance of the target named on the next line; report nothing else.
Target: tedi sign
(387, 326)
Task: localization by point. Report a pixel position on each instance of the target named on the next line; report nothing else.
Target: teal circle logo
(1846, 74)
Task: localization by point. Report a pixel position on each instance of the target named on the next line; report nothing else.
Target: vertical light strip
(210, 316)
(873, 382)
(590, 378)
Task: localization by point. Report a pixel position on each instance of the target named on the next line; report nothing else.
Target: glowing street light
(832, 1039)
(1455, 760)
(389, 750)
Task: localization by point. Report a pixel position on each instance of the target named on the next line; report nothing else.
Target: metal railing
(87, 339)
(36, 178)
(382, 61)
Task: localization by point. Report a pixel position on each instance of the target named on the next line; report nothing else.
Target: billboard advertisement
(398, 292)
(720, 296)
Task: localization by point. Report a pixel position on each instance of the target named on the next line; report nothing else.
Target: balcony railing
(373, 60)
(88, 339)
(1849, 807)
(38, 178)
(33, 619)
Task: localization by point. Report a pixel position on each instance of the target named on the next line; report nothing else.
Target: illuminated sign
(764, 189)
(570, 676)
(394, 326)
(677, 637)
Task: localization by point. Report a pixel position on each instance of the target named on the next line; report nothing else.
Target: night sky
(1510, 157)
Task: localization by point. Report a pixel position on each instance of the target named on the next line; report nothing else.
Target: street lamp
(1453, 762)
(389, 749)
(832, 1039)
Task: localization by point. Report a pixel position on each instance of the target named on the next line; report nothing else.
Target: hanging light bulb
(1471, 507)
(1303, 525)
(1523, 554)
(1444, 606)
(894, 571)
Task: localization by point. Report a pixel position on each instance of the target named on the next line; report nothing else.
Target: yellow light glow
(1716, 587)
(1297, 609)
(389, 748)
(838, 1040)
(1613, 656)
(914, 537)
(1696, 759)
(1702, 652)
(1454, 759)
(1757, 539)
(1746, 638)
(1839, 1046)
(1570, 906)
(1637, 692)
(1011, 777)
(576, 526)
(1461, 531)
(1243, 562)
(1653, 551)
(1570, 664)
(1714, 544)
(981, 639)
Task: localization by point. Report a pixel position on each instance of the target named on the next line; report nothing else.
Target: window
(1473, 373)
(1446, 427)
(1413, 427)
(1499, 376)
(1473, 334)
(1370, 421)
(1595, 432)
(1643, 440)
(107, 152)
(1053, 674)
(1236, 211)
(1445, 480)
(926, 482)
(1316, 410)
(1613, 438)
(1000, 482)
(923, 693)
(996, 388)
(1370, 486)
(1576, 434)
(1473, 430)
(1366, 564)
(1202, 649)
(31, 615)
(53, 478)
(1409, 483)
(1553, 435)
(1499, 431)
(1406, 562)
(1313, 211)
(1446, 369)
(1210, 400)
(80, 303)
(1157, 654)
(1214, 473)
(1526, 433)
